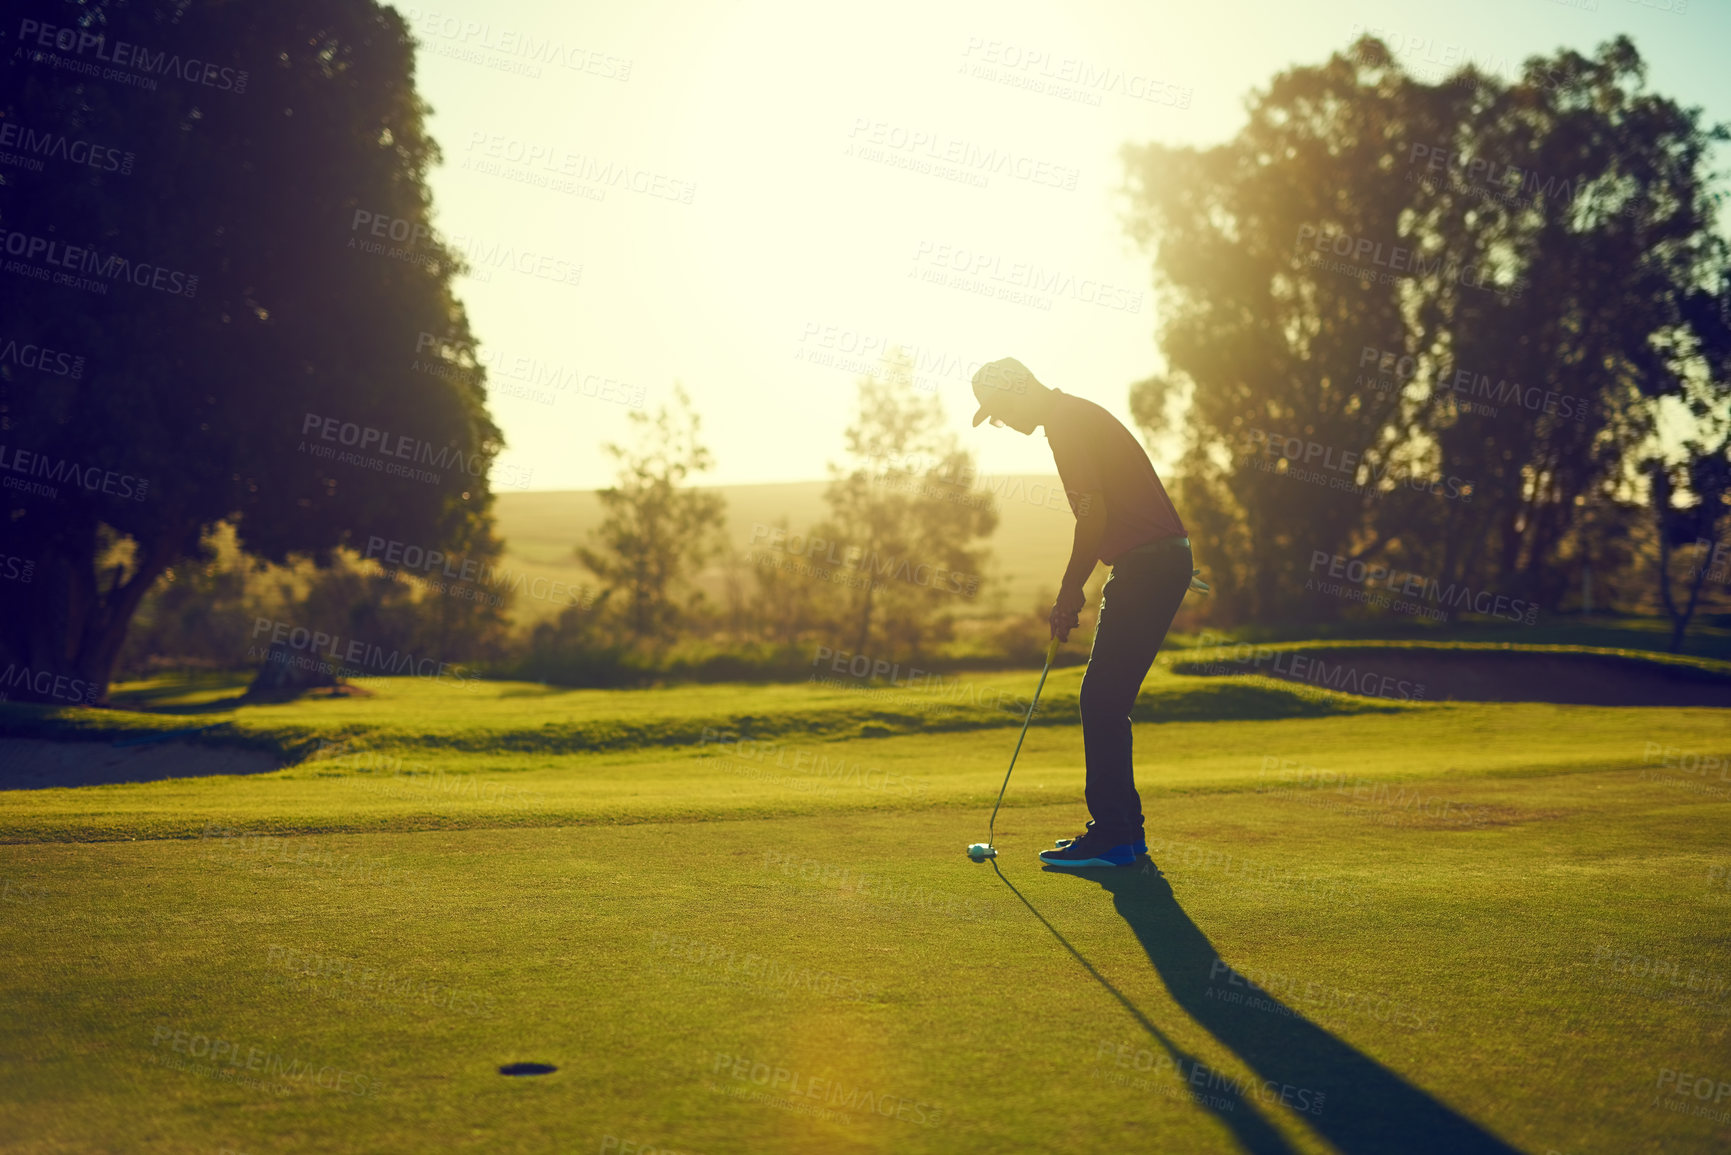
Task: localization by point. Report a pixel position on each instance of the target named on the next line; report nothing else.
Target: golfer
(1125, 519)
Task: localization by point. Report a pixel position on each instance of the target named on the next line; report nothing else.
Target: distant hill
(1032, 542)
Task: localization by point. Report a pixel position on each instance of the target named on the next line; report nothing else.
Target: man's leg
(1137, 606)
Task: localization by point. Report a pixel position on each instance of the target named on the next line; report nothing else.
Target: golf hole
(527, 1069)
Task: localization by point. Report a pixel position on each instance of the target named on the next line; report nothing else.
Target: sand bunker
(34, 764)
(1476, 675)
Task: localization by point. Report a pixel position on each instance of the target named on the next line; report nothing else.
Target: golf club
(980, 851)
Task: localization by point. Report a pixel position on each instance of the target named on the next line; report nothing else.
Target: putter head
(979, 851)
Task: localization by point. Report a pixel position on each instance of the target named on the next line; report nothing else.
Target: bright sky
(785, 222)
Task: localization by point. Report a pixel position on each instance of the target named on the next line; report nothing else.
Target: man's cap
(995, 378)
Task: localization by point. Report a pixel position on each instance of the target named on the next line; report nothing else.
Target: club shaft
(1051, 652)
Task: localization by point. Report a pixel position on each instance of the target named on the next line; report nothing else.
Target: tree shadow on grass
(1368, 1108)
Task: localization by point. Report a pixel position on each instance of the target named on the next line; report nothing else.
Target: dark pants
(1141, 598)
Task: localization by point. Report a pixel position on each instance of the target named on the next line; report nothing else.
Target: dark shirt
(1096, 454)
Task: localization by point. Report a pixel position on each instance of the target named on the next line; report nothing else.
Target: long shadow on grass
(1368, 1108)
(1253, 1132)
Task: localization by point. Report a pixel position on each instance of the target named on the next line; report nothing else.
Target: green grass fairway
(740, 918)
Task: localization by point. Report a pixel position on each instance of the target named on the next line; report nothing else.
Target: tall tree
(1594, 193)
(784, 605)
(658, 530)
(1449, 308)
(906, 521)
(246, 287)
(1263, 332)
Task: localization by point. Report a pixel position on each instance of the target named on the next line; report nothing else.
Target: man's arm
(1084, 553)
(1090, 532)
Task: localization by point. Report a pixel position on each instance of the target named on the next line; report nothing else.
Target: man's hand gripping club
(1066, 615)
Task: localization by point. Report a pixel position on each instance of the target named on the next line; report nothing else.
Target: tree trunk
(284, 675)
(1681, 620)
(865, 618)
(64, 646)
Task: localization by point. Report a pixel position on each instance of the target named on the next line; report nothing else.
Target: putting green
(1436, 928)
